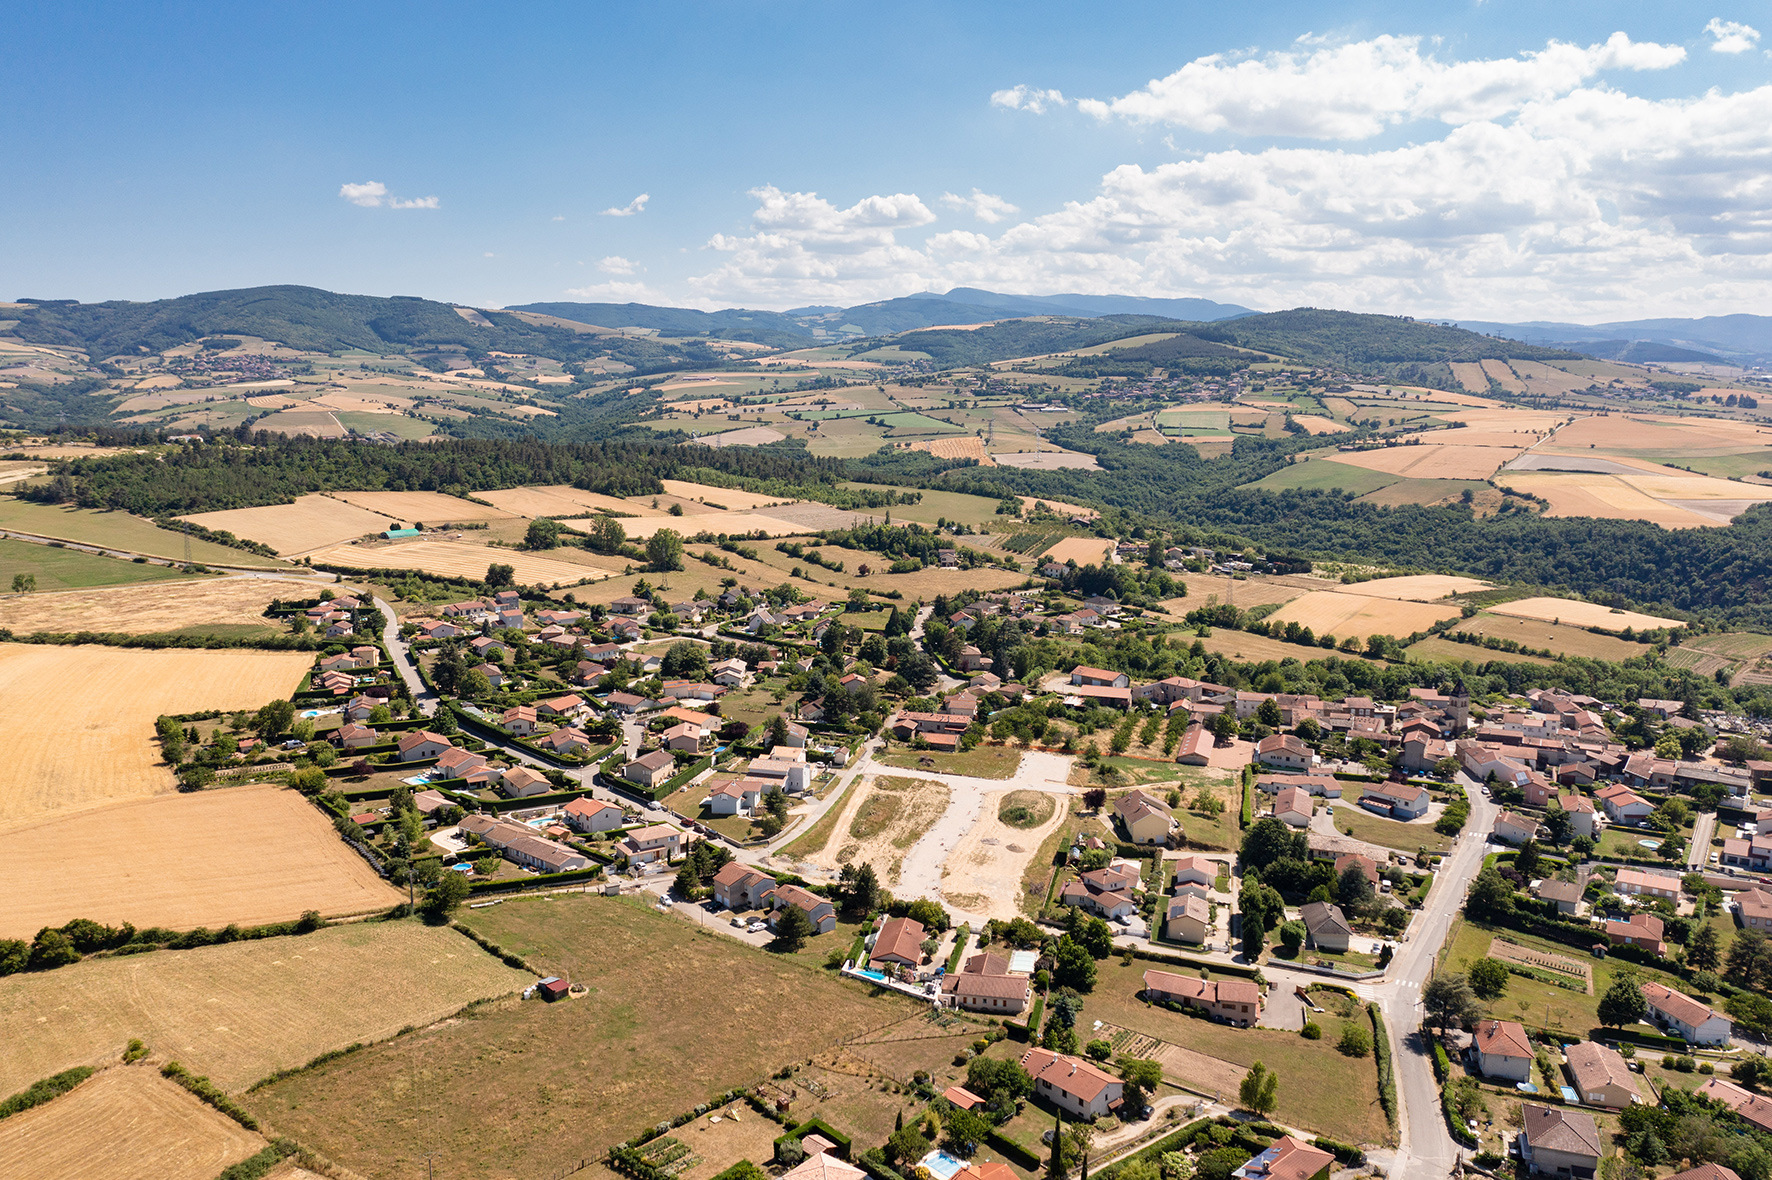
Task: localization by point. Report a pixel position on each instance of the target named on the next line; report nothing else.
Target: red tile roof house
(1237, 1001)
(1366, 864)
(1073, 1084)
(900, 941)
(1288, 1159)
(588, 815)
(520, 782)
(1640, 930)
(559, 706)
(352, 736)
(1623, 805)
(415, 747)
(1558, 1142)
(1402, 801)
(1755, 908)
(1601, 1076)
(985, 985)
(1639, 882)
(456, 763)
(1108, 902)
(1502, 1050)
(684, 736)
(648, 844)
(520, 720)
(1513, 828)
(1682, 1016)
(1283, 749)
(650, 770)
(1195, 870)
(821, 912)
(1292, 807)
(740, 887)
(359, 708)
(738, 797)
(565, 742)
(1099, 677)
(1751, 1107)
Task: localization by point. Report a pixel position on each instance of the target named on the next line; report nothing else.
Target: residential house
(1753, 853)
(629, 605)
(1292, 807)
(360, 707)
(794, 777)
(1583, 819)
(740, 887)
(1755, 908)
(1639, 882)
(1559, 1142)
(625, 703)
(495, 675)
(985, 984)
(1684, 1017)
(899, 942)
(566, 705)
(650, 770)
(1320, 785)
(1073, 1084)
(728, 673)
(1285, 750)
(351, 736)
(1195, 747)
(520, 720)
(1187, 918)
(1288, 1158)
(1194, 872)
(1513, 828)
(520, 843)
(797, 735)
(486, 647)
(822, 913)
(1326, 927)
(1146, 821)
(655, 842)
(1503, 1050)
(566, 742)
(1564, 895)
(1403, 801)
(457, 763)
(686, 737)
(1750, 1107)
(1623, 805)
(1105, 892)
(1099, 677)
(520, 782)
(737, 797)
(422, 744)
(1367, 866)
(1600, 1075)
(588, 815)
(437, 629)
(1237, 1001)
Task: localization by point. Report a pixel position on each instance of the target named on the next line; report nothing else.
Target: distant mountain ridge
(1740, 339)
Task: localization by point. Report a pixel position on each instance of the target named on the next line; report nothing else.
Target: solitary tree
(1623, 1002)
(24, 583)
(1704, 951)
(449, 892)
(1259, 1089)
(542, 534)
(792, 928)
(1488, 978)
(1449, 1002)
(500, 575)
(664, 550)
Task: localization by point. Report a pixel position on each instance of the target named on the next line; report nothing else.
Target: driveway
(1704, 826)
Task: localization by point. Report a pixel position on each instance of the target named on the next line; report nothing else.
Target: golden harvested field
(316, 423)
(1581, 614)
(559, 500)
(691, 523)
(1562, 638)
(240, 1011)
(77, 723)
(1542, 379)
(1673, 501)
(251, 854)
(1360, 615)
(1499, 372)
(139, 610)
(1317, 424)
(1434, 649)
(1415, 587)
(459, 559)
(1245, 593)
(432, 508)
(1428, 461)
(1471, 376)
(121, 1124)
(311, 522)
(733, 499)
(969, 447)
(1082, 550)
(1648, 432)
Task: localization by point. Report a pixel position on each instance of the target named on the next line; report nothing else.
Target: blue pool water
(877, 977)
(941, 1165)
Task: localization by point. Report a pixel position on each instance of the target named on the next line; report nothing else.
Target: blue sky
(1500, 160)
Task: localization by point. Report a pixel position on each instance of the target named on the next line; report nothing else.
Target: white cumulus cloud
(374, 194)
(1356, 89)
(987, 207)
(615, 264)
(619, 292)
(637, 205)
(1731, 36)
(1026, 98)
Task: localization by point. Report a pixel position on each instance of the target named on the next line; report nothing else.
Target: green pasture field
(672, 1016)
(1325, 473)
(398, 424)
(1361, 824)
(70, 569)
(120, 530)
(908, 422)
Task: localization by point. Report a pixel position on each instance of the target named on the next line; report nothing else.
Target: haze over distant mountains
(1739, 339)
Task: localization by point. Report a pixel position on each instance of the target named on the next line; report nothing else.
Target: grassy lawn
(1363, 825)
(70, 569)
(1320, 1089)
(1623, 842)
(119, 530)
(872, 620)
(982, 762)
(519, 1088)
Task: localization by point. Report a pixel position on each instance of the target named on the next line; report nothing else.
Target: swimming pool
(865, 973)
(941, 1165)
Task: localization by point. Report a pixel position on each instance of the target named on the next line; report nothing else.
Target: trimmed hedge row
(260, 1163)
(1215, 967)
(1018, 1155)
(814, 1126)
(1387, 1075)
(39, 1092)
(540, 880)
(208, 1091)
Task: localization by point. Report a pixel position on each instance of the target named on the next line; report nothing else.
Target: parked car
(758, 927)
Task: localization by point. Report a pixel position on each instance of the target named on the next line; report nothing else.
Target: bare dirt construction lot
(139, 610)
(120, 1124)
(673, 1016)
(432, 508)
(1581, 614)
(77, 723)
(459, 560)
(312, 522)
(982, 875)
(250, 855)
(881, 821)
(242, 1011)
(1360, 615)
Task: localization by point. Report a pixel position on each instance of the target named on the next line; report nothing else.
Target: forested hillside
(1351, 341)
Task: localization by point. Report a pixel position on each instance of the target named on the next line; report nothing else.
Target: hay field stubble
(77, 723)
